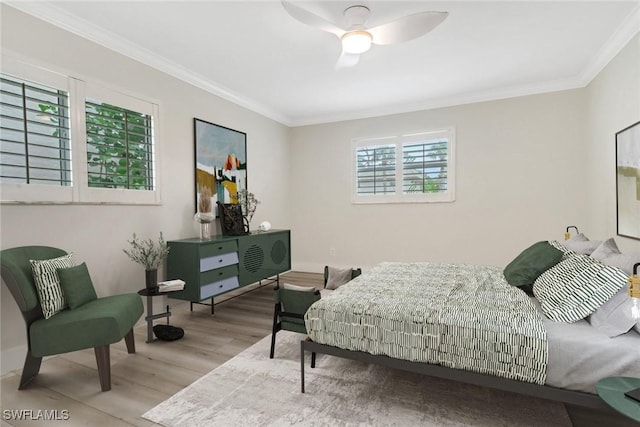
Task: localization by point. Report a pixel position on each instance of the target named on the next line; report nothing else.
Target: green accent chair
(290, 307)
(95, 324)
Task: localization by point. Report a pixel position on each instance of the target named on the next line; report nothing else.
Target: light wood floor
(160, 369)
(156, 371)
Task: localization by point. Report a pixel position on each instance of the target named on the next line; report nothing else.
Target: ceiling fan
(357, 39)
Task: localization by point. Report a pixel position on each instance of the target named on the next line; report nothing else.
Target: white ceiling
(256, 55)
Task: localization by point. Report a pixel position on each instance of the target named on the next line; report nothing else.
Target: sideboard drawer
(219, 274)
(218, 261)
(221, 286)
(218, 248)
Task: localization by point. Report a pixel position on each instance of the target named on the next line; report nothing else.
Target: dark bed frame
(542, 391)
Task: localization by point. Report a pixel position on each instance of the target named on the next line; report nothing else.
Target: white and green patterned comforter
(460, 316)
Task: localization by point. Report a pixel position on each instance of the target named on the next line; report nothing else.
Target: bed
(467, 323)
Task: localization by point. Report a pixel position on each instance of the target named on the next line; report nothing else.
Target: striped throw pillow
(45, 276)
(576, 287)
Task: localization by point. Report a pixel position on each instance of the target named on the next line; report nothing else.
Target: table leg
(149, 319)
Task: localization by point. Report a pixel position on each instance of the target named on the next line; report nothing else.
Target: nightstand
(612, 389)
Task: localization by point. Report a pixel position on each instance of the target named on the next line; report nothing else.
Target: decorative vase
(151, 277)
(205, 219)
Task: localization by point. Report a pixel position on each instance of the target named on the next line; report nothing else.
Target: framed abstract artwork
(628, 181)
(220, 163)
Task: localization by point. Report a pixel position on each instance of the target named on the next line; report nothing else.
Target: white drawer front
(213, 262)
(215, 288)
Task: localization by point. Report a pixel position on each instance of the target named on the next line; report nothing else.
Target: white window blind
(405, 168)
(34, 133)
(424, 167)
(376, 169)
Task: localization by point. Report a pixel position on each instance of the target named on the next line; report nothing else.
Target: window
(66, 140)
(119, 147)
(34, 140)
(406, 168)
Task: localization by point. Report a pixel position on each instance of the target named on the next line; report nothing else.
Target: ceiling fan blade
(347, 60)
(407, 28)
(311, 19)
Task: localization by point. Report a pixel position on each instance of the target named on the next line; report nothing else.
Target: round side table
(149, 293)
(612, 390)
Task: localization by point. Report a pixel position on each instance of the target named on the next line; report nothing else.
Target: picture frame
(220, 163)
(628, 181)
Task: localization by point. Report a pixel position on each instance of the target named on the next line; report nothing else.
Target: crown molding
(48, 12)
(52, 14)
(618, 40)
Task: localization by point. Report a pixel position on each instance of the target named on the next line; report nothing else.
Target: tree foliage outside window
(119, 147)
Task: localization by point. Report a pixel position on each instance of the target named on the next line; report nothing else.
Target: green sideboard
(224, 263)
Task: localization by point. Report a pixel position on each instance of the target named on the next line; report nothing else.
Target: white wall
(520, 179)
(613, 103)
(97, 234)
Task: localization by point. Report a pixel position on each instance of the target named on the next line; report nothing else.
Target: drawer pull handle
(220, 273)
(220, 286)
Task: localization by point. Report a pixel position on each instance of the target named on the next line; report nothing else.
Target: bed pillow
(576, 287)
(562, 248)
(615, 316)
(77, 285)
(608, 253)
(338, 277)
(47, 281)
(531, 263)
(580, 244)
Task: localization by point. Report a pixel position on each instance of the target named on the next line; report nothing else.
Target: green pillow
(531, 263)
(77, 285)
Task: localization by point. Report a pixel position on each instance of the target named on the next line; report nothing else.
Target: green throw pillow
(77, 285)
(531, 263)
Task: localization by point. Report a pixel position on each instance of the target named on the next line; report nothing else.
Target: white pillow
(576, 287)
(338, 277)
(580, 244)
(47, 281)
(614, 317)
(609, 254)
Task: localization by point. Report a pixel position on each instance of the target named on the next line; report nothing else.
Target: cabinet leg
(212, 310)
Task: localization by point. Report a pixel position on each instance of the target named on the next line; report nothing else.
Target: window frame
(79, 192)
(399, 141)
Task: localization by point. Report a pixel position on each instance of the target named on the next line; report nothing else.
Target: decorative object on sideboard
(264, 226)
(220, 161)
(205, 215)
(248, 204)
(232, 222)
(628, 181)
(150, 255)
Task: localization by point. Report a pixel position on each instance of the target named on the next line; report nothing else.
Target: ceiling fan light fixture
(357, 41)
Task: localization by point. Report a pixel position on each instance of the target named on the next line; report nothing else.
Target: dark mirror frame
(628, 192)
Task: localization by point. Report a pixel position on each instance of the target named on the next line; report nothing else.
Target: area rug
(253, 390)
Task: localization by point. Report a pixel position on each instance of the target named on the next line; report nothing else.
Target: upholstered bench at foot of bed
(97, 323)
